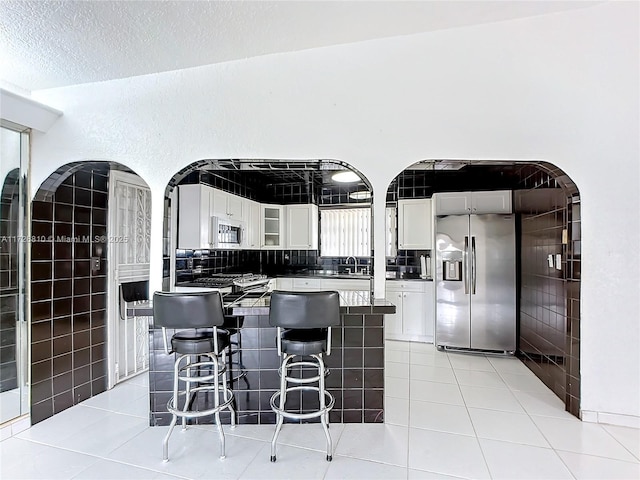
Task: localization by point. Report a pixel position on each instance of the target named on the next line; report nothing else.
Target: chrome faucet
(355, 264)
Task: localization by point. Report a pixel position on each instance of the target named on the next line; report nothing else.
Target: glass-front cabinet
(272, 226)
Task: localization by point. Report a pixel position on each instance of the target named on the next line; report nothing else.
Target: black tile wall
(280, 187)
(68, 301)
(549, 330)
(407, 262)
(356, 377)
(193, 264)
(424, 183)
(9, 199)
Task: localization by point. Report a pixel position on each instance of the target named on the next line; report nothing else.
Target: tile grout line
(537, 427)
(484, 458)
(635, 455)
(99, 457)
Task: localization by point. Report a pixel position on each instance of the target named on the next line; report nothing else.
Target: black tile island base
(356, 364)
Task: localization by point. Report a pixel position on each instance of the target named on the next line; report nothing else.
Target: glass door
(14, 236)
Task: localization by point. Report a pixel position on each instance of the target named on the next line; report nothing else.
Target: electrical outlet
(95, 264)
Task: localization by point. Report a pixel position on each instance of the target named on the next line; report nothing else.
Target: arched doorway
(547, 205)
(302, 193)
(72, 283)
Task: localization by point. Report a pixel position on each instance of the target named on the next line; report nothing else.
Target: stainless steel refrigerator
(476, 282)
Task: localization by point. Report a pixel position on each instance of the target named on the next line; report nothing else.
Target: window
(345, 232)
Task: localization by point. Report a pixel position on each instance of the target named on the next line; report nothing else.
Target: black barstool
(196, 317)
(304, 321)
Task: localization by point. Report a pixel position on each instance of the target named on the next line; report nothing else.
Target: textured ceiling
(46, 44)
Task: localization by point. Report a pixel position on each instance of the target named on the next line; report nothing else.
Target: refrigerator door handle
(465, 270)
(473, 265)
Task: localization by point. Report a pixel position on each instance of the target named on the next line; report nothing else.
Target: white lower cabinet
(309, 284)
(359, 284)
(285, 284)
(414, 317)
(304, 284)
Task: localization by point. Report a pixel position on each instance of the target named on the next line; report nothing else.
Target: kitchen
(414, 199)
(483, 103)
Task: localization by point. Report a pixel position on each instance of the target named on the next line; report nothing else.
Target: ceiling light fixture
(346, 176)
(360, 195)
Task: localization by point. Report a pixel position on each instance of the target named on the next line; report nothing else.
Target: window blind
(345, 232)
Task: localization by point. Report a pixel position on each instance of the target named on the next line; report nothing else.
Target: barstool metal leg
(165, 443)
(283, 398)
(187, 396)
(324, 419)
(226, 386)
(174, 418)
(216, 400)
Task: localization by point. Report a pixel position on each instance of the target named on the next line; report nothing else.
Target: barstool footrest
(302, 416)
(201, 413)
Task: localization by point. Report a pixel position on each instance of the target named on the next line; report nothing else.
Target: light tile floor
(448, 415)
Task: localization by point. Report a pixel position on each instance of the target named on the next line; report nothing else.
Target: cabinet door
(271, 216)
(429, 311)
(302, 227)
(491, 202)
(346, 284)
(414, 306)
(452, 203)
(219, 203)
(252, 224)
(285, 284)
(393, 322)
(194, 217)
(235, 208)
(414, 224)
(307, 284)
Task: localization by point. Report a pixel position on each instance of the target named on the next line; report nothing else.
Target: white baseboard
(632, 421)
(14, 427)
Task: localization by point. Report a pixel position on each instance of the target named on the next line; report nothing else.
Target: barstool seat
(200, 362)
(198, 343)
(304, 321)
(312, 341)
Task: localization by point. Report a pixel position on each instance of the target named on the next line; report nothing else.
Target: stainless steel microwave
(226, 233)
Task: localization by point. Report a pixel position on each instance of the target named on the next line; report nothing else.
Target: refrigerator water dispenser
(452, 270)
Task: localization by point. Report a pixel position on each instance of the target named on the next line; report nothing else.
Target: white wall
(561, 88)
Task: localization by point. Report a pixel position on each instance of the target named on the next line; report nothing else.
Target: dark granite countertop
(358, 301)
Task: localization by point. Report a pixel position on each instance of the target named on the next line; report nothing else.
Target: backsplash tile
(193, 264)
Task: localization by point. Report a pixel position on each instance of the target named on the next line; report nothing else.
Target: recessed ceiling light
(345, 177)
(360, 195)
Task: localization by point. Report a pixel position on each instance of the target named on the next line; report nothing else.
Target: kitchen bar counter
(356, 362)
(351, 302)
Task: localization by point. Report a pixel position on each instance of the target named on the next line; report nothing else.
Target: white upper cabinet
(194, 216)
(414, 224)
(302, 227)
(459, 203)
(227, 205)
(272, 226)
(252, 224)
(491, 202)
